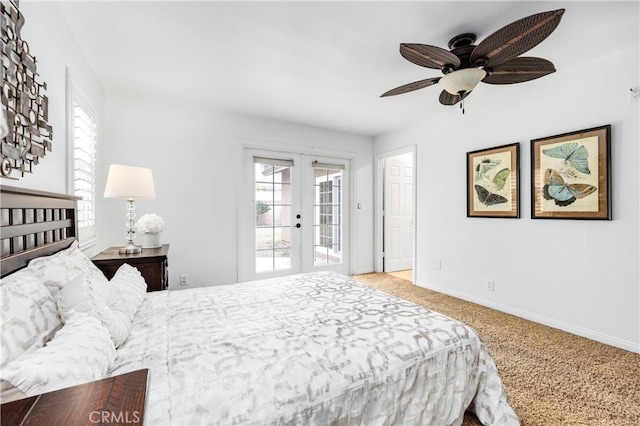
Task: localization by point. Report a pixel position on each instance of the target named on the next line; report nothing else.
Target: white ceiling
(318, 63)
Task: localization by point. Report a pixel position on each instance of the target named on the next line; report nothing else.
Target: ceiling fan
(495, 60)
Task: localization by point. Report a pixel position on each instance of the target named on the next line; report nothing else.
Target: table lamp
(130, 183)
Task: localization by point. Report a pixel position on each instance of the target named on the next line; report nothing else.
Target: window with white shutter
(83, 141)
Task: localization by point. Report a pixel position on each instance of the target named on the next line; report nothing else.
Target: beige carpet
(407, 274)
(551, 377)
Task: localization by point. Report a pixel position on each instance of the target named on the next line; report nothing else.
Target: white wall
(581, 276)
(194, 153)
(56, 50)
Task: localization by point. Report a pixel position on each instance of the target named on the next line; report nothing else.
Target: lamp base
(130, 248)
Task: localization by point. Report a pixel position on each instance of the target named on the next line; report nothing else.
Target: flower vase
(150, 240)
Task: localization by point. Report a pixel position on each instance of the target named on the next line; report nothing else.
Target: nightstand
(152, 263)
(114, 400)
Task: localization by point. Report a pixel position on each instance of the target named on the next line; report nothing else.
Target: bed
(316, 348)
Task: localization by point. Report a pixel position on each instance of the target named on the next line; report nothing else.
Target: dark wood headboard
(33, 224)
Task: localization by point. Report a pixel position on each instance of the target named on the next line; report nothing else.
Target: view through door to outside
(273, 204)
(299, 223)
(327, 215)
(398, 214)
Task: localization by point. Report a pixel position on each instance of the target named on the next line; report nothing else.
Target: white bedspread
(317, 349)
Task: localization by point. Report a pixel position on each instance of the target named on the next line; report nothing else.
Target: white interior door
(398, 213)
(295, 217)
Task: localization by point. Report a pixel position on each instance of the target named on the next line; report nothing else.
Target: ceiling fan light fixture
(462, 81)
(495, 60)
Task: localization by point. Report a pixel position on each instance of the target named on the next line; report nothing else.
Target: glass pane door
(273, 189)
(294, 215)
(327, 221)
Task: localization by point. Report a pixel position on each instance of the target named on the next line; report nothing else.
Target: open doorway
(396, 214)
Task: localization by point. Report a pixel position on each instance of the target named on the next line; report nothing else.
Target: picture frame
(493, 182)
(571, 175)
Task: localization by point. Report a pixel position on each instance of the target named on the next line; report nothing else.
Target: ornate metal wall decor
(24, 103)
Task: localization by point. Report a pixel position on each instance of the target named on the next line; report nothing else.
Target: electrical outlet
(184, 280)
(634, 95)
(490, 285)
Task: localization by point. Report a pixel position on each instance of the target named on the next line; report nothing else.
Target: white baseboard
(570, 328)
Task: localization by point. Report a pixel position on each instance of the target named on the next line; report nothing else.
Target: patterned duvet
(316, 349)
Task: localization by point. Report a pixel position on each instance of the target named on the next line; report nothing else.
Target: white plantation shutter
(83, 143)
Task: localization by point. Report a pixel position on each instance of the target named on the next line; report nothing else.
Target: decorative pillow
(94, 296)
(130, 287)
(80, 352)
(28, 317)
(60, 268)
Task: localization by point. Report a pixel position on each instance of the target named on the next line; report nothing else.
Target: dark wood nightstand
(114, 400)
(152, 263)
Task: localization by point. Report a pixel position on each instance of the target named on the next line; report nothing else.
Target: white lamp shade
(129, 182)
(464, 80)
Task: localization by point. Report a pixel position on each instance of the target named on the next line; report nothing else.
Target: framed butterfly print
(493, 182)
(571, 175)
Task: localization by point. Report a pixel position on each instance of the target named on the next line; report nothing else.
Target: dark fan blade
(515, 39)
(429, 56)
(412, 86)
(518, 70)
(447, 98)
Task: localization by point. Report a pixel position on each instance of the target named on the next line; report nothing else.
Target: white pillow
(94, 296)
(80, 352)
(28, 315)
(130, 287)
(60, 268)
(8, 393)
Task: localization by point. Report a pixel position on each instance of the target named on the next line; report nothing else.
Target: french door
(293, 214)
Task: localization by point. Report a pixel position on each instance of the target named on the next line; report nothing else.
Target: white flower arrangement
(150, 223)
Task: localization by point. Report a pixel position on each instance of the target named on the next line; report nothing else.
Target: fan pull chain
(462, 105)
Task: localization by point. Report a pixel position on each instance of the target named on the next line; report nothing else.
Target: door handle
(298, 225)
